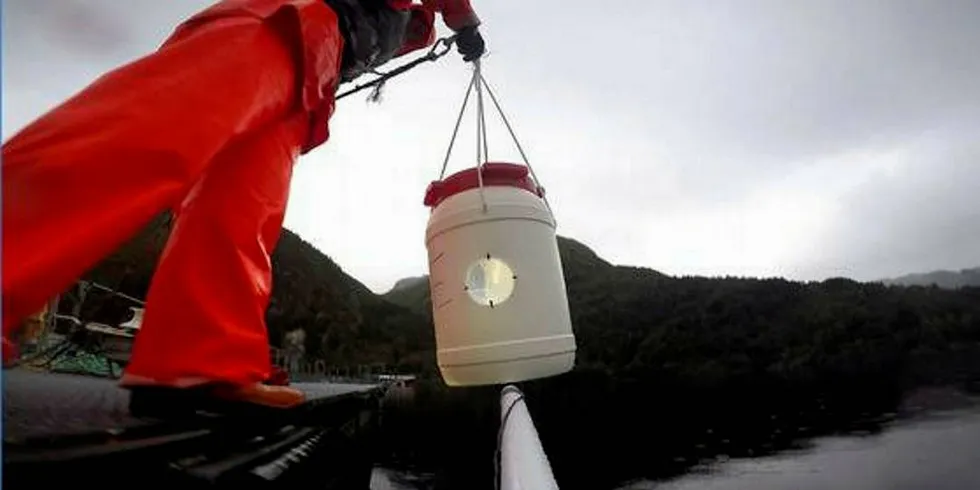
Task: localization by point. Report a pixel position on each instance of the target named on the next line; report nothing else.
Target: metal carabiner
(441, 48)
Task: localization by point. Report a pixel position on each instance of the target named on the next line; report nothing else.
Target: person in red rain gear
(209, 125)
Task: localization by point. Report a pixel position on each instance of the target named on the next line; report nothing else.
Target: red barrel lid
(494, 174)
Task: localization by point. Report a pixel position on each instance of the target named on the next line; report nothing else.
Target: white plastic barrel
(499, 303)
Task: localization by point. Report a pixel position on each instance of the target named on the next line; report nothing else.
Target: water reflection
(596, 439)
(385, 479)
(938, 452)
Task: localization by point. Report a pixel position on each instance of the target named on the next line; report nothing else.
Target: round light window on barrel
(490, 281)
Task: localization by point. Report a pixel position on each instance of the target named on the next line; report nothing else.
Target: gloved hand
(470, 43)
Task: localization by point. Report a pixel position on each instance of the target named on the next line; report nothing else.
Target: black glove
(470, 43)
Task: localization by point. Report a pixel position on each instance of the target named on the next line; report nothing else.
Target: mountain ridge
(344, 322)
(943, 278)
(660, 359)
(688, 365)
(578, 262)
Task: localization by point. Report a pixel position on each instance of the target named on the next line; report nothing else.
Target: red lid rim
(495, 174)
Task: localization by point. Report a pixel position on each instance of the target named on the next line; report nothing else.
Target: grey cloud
(923, 218)
(52, 48)
(81, 27)
(754, 85)
(724, 99)
(653, 122)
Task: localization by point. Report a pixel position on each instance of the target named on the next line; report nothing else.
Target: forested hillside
(673, 369)
(345, 323)
(669, 369)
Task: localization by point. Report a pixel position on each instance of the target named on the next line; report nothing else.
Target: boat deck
(43, 405)
(58, 423)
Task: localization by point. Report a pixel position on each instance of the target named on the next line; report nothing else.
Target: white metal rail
(522, 463)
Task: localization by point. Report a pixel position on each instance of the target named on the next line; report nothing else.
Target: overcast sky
(803, 139)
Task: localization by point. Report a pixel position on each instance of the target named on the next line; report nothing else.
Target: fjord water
(936, 452)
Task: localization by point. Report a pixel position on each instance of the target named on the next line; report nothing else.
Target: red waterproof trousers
(210, 126)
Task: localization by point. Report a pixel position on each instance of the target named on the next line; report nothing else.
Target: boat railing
(521, 460)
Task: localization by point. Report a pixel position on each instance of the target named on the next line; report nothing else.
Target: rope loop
(479, 84)
(441, 48)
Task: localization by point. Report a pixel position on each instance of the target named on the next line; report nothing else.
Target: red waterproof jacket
(311, 33)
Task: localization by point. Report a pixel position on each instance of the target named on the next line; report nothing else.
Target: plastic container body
(499, 302)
